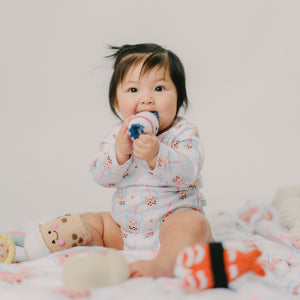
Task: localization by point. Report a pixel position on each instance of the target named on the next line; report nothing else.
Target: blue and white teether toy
(144, 119)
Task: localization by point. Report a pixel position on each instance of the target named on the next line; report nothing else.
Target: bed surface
(252, 226)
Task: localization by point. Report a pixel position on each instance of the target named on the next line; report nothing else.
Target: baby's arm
(111, 163)
(123, 143)
(179, 162)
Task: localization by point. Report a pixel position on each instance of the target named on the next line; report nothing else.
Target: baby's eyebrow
(160, 79)
(137, 81)
(131, 82)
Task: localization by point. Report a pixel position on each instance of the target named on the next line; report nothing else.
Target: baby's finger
(127, 134)
(148, 132)
(137, 152)
(143, 140)
(138, 145)
(126, 122)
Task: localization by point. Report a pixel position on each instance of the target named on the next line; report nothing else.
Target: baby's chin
(163, 129)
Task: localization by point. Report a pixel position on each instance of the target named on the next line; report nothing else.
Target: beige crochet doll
(7, 249)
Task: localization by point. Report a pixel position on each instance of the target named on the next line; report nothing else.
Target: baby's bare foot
(150, 268)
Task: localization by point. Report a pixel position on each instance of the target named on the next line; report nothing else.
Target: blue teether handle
(135, 130)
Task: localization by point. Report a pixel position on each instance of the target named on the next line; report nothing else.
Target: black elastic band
(217, 265)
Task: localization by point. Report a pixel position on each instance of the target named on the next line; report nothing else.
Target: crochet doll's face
(152, 91)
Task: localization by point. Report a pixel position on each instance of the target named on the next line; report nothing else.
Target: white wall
(243, 74)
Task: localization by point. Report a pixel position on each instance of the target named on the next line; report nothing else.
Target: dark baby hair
(152, 55)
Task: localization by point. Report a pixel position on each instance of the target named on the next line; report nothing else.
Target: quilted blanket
(253, 226)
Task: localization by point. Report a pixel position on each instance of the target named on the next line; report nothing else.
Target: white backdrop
(243, 77)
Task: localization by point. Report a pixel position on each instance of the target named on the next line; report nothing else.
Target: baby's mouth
(152, 111)
(156, 113)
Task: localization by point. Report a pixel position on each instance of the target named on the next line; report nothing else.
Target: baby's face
(153, 91)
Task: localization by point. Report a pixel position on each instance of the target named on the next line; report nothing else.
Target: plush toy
(59, 234)
(101, 268)
(7, 249)
(206, 266)
(287, 203)
(144, 119)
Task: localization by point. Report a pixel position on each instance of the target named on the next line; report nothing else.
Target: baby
(157, 204)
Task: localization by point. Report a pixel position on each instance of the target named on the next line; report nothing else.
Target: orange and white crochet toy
(206, 266)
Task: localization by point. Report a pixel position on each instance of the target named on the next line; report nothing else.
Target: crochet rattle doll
(7, 249)
(57, 235)
(144, 119)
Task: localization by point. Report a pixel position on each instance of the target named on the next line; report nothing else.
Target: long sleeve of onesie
(180, 159)
(105, 169)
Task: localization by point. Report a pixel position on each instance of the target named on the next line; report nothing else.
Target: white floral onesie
(145, 196)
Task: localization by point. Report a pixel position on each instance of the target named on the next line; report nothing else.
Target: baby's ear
(116, 104)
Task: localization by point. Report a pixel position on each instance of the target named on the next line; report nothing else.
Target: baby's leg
(104, 230)
(179, 230)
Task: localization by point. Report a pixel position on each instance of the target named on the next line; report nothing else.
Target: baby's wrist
(152, 163)
(122, 158)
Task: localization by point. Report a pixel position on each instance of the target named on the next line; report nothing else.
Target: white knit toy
(287, 203)
(144, 119)
(102, 268)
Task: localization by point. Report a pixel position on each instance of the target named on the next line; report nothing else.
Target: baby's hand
(123, 143)
(146, 147)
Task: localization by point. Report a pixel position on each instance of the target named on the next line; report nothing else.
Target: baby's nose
(147, 100)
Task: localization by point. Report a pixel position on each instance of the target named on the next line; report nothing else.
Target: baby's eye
(133, 90)
(159, 89)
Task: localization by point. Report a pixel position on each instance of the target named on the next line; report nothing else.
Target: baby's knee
(94, 221)
(95, 225)
(190, 221)
(104, 230)
(200, 225)
(203, 226)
